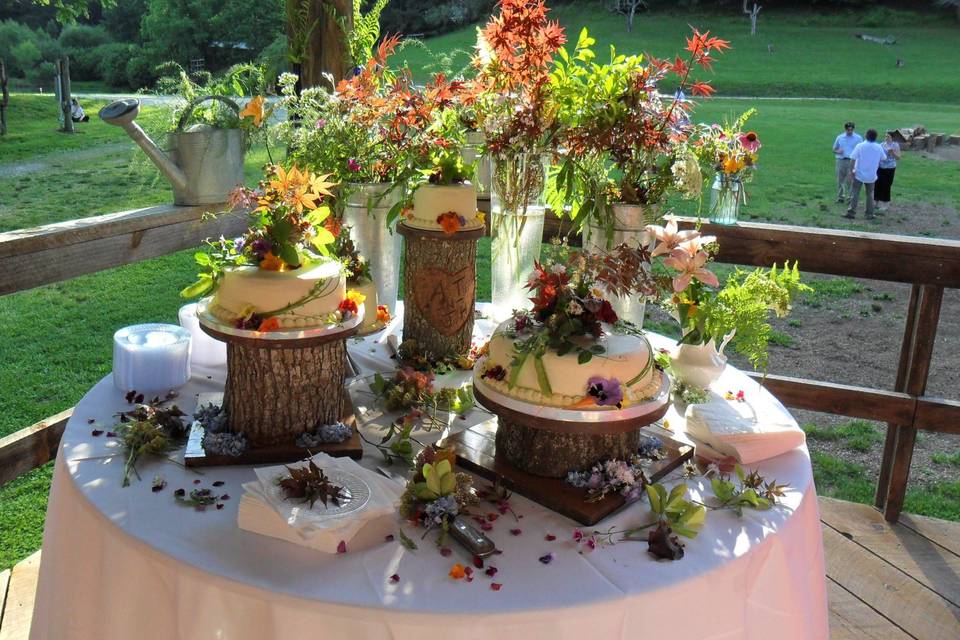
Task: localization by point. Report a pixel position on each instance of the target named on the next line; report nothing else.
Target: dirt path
(59, 159)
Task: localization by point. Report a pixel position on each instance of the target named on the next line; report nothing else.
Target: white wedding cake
(249, 289)
(431, 202)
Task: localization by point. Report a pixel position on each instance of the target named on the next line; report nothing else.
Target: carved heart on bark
(446, 299)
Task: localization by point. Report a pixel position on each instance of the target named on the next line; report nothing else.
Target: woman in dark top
(885, 173)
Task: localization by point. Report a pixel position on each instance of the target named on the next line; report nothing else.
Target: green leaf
(542, 379)
(515, 368)
(198, 288)
(584, 357)
(289, 254)
(740, 472)
(322, 238)
(677, 493)
(654, 497)
(203, 259)
(407, 542)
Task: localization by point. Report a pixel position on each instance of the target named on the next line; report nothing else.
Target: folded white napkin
(754, 429)
(264, 510)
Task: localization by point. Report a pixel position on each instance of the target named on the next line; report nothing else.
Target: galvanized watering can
(204, 163)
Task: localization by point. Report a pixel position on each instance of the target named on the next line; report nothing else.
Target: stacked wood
(440, 285)
(954, 140)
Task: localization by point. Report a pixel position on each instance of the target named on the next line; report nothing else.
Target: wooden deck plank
(943, 532)
(908, 604)
(927, 562)
(852, 619)
(4, 582)
(18, 609)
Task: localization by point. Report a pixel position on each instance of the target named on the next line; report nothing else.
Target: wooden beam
(840, 252)
(33, 257)
(922, 343)
(852, 619)
(942, 532)
(4, 583)
(839, 399)
(18, 611)
(29, 448)
(937, 414)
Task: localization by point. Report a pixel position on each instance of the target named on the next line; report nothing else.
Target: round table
(122, 563)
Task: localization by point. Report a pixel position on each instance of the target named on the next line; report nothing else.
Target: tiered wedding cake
(431, 202)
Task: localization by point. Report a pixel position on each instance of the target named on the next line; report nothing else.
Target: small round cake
(626, 361)
(433, 201)
(249, 289)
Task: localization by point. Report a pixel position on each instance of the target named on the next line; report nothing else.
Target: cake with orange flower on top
(277, 275)
(447, 202)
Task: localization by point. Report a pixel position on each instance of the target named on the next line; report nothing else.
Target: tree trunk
(4, 99)
(326, 49)
(633, 10)
(63, 77)
(551, 454)
(273, 395)
(440, 283)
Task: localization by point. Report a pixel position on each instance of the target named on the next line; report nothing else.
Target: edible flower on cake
(279, 274)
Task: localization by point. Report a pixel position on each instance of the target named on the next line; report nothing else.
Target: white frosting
(249, 287)
(625, 357)
(432, 200)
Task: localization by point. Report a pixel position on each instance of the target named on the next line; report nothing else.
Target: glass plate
(357, 495)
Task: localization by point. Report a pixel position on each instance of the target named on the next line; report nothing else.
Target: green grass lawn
(814, 55)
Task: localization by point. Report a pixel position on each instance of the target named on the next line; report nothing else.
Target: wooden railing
(34, 257)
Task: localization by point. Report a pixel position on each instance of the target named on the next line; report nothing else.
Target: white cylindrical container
(205, 352)
(151, 358)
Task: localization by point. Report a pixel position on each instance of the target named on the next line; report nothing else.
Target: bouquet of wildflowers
(436, 494)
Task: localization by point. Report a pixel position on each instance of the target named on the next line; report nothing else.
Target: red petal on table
(395, 578)
(342, 547)
(491, 571)
(388, 538)
(547, 559)
(492, 517)
(515, 532)
(503, 508)
(91, 420)
(197, 481)
(468, 571)
(180, 493)
(96, 432)
(495, 586)
(549, 537)
(225, 496)
(486, 526)
(218, 483)
(478, 562)
(445, 551)
(219, 506)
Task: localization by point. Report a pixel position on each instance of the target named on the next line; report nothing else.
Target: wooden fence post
(916, 352)
(63, 77)
(325, 26)
(4, 99)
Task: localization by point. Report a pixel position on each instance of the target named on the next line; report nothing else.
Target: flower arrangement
(732, 153)
(436, 494)
(738, 310)
(356, 266)
(622, 141)
(569, 303)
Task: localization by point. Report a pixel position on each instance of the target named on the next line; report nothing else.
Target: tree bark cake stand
(549, 441)
(440, 285)
(281, 384)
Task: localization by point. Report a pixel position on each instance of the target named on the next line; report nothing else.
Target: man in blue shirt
(866, 157)
(843, 148)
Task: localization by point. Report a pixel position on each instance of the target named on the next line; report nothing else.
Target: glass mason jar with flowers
(512, 94)
(624, 147)
(733, 154)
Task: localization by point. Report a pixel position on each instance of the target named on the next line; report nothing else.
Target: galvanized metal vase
(629, 223)
(366, 213)
(210, 158)
(517, 207)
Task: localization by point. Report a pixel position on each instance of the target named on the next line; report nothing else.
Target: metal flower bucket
(366, 213)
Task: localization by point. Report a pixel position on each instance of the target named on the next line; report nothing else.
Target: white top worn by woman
(892, 150)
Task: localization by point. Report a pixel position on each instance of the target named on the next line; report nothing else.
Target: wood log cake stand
(278, 388)
(543, 444)
(440, 285)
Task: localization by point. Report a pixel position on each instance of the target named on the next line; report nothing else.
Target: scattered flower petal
(457, 571)
(395, 578)
(515, 532)
(445, 551)
(179, 493)
(218, 483)
(388, 537)
(478, 562)
(96, 432)
(342, 547)
(549, 537)
(495, 586)
(491, 571)
(219, 506)
(547, 559)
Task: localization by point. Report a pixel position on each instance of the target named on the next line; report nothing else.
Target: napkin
(263, 509)
(749, 430)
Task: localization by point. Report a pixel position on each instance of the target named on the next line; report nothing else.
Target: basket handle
(185, 116)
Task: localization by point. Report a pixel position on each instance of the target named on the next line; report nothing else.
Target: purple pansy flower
(607, 391)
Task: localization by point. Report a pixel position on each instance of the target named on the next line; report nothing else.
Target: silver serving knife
(471, 538)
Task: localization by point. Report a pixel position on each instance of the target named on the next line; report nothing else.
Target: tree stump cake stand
(550, 442)
(280, 386)
(440, 285)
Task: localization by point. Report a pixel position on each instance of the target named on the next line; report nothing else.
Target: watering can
(204, 163)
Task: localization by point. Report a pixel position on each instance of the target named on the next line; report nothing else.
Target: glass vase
(628, 227)
(517, 207)
(725, 198)
(366, 213)
(473, 154)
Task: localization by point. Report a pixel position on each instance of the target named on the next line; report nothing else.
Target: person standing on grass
(843, 148)
(885, 174)
(866, 159)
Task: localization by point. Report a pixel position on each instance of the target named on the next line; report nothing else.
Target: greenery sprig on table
(149, 429)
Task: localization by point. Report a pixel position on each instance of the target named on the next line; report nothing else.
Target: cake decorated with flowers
(311, 295)
(620, 371)
(445, 207)
(571, 351)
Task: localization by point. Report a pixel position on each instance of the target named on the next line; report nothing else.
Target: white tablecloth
(127, 563)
